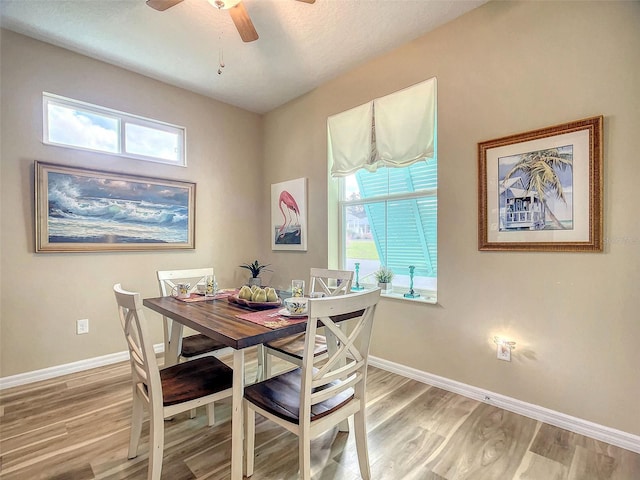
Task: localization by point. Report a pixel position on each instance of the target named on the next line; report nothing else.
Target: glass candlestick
(357, 285)
(411, 293)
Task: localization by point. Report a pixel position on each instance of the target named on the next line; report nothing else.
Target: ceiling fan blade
(243, 23)
(307, 1)
(162, 5)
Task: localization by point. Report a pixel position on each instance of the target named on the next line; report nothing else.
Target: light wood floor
(77, 427)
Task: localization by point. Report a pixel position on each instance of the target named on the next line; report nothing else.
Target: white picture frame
(289, 215)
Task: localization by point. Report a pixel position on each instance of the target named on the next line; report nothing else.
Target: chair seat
(294, 345)
(199, 344)
(281, 396)
(194, 379)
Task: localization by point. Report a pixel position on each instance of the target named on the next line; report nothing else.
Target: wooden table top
(217, 319)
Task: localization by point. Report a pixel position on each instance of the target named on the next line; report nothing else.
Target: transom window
(75, 124)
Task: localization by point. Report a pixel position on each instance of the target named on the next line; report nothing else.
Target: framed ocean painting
(82, 210)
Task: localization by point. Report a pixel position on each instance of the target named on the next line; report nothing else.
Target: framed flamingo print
(289, 215)
(542, 190)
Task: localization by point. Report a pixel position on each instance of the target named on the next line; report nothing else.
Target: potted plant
(255, 268)
(384, 276)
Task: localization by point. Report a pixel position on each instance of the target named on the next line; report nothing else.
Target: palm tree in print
(539, 173)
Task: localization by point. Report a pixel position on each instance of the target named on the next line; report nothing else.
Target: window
(389, 217)
(384, 156)
(76, 124)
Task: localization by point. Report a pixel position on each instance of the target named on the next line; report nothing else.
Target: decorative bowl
(249, 303)
(296, 305)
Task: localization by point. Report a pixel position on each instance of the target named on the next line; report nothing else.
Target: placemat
(197, 297)
(270, 319)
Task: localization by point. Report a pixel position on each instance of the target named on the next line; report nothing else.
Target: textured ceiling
(300, 47)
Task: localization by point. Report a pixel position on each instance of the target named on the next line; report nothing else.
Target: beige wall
(504, 68)
(44, 294)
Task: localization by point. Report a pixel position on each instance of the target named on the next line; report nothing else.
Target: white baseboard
(584, 427)
(59, 370)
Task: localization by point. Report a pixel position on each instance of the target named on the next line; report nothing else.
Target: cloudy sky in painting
(97, 187)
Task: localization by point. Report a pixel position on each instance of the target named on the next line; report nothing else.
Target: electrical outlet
(82, 326)
(504, 352)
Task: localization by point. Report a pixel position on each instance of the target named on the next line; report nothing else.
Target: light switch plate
(82, 326)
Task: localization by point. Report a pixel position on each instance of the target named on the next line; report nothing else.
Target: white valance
(404, 132)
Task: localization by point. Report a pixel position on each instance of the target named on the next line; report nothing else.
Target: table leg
(236, 416)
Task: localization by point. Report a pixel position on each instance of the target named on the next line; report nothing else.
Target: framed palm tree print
(542, 190)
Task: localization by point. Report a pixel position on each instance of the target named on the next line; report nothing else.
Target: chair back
(346, 366)
(331, 282)
(168, 279)
(144, 366)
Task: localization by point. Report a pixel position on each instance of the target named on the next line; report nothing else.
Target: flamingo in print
(292, 206)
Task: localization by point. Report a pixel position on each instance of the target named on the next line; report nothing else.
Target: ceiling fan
(238, 13)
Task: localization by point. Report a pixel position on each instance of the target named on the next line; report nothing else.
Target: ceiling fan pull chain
(220, 57)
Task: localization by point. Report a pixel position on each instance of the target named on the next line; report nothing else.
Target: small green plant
(384, 275)
(255, 268)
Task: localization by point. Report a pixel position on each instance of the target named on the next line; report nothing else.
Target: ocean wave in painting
(91, 209)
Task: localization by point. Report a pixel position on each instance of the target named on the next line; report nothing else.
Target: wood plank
(534, 467)
(490, 444)
(77, 427)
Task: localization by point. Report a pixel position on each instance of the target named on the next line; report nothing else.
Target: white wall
(504, 68)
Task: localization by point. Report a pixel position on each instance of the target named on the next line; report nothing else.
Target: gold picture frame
(83, 210)
(542, 190)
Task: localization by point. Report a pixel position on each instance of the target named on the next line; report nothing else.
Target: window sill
(426, 296)
(430, 298)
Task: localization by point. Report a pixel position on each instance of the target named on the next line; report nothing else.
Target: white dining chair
(167, 392)
(311, 399)
(190, 346)
(330, 282)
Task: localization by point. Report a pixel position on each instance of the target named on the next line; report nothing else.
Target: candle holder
(411, 293)
(357, 285)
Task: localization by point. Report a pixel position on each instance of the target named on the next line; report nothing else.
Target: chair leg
(211, 414)
(156, 445)
(249, 439)
(267, 365)
(137, 415)
(192, 413)
(343, 426)
(360, 428)
(261, 373)
(304, 453)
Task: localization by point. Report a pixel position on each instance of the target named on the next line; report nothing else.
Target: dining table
(218, 319)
